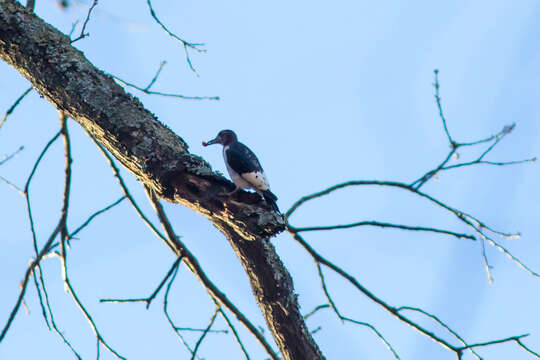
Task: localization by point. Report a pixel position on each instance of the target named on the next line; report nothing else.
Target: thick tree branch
(159, 159)
(147, 148)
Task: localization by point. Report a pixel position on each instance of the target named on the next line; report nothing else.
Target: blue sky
(323, 93)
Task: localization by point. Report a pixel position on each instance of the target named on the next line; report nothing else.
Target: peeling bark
(160, 159)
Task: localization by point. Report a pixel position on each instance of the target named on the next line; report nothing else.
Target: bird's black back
(241, 159)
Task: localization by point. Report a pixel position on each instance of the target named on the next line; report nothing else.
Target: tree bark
(160, 159)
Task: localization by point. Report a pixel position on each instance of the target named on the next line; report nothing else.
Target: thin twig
(486, 261)
(40, 286)
(65, 237)
(510, 256)
(13, 186)
(94, 215)
(523, 346)
(384, 225)
(395, 311)
(24, 282)
(315, 310)
(126, 191)
(83, 34)
(166, 310)
(15, 104)
(149, 92)
(11, 156)
(88, 221)
(493, 163)
(185, 44)
(193, 265)
(235, 333)
(441, 323)
(152, 82)
(203, 335)
(73, 26)
(63, 220)
(40, 297)
(454, 146)
(202, 330)
(439, 106)
(362, 323)
(479, 227)
(500, 341)
(79, 303)
(417, 184)
(35, 263)
(148, 300)
(326, 293)
(321, 260)
(343, 318)
(377, 333)
(39, 254)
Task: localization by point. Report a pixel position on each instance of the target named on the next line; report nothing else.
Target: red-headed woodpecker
(243, 166)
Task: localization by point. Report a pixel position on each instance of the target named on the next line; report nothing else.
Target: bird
(243, 166)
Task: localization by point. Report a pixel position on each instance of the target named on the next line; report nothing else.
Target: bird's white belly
(237, 179)
(256, 179)
(253, 180)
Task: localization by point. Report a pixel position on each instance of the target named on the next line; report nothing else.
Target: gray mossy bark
(160, 159)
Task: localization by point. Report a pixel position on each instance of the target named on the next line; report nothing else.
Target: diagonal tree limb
(178, 247)
(147, 148)
(158, 158)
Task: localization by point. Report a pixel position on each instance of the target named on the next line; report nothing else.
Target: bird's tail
(270, 199)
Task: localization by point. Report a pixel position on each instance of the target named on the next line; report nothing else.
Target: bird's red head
(225, 137)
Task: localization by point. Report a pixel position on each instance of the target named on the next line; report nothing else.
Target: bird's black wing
(241, 159)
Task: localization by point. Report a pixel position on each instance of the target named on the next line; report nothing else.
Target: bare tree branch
(13, 186)
(394, 311)
(192, 263)
(158, 72)
(517, 339)
(64, 237)
(454, 146)
(203, 335)
(45, 249)
(175, 245)
(442, 324)
(14, 106)
(146, 89)
(235, 333)
(384, 225)
(160, 160)
(186, 45)
(24, 282)
(166, 310)
(346, 319)
(148, 300)
(316, 310)
(94, 215)
(481, 229)
(159, 93)
(326, 293)
(11, 156)
(377, 333)
(439, 106)
(83, 34)
(126, 191)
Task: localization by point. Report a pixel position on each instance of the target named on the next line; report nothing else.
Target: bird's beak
(213, 141)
